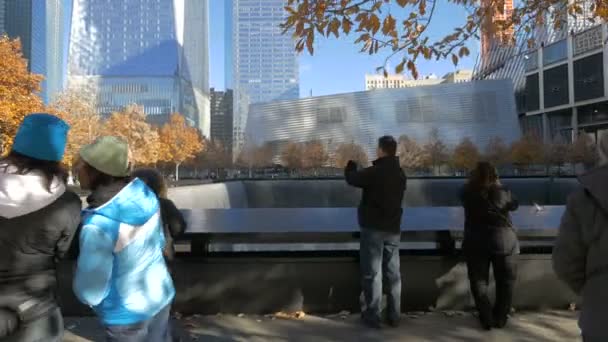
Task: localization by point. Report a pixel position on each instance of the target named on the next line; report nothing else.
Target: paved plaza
(435, 327)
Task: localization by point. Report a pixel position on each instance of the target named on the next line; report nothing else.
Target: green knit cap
(109, 155)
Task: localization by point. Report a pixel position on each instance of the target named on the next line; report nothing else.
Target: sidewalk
(421, 327)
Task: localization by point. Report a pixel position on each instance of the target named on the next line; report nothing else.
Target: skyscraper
(490, 38)
(43, 28)
(221, 117)
(264, 65)
(152, 53)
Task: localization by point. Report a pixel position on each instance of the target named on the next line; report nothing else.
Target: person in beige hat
(121, 272)
(580, 255)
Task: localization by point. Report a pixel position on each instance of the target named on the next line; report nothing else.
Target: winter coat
(383, 185)
(174, 225)
(580, 255)
(37, 225)
(121, 272)
(487, 227)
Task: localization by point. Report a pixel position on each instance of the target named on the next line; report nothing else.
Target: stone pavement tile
(437, 327)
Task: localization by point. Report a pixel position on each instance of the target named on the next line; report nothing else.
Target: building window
(555, 52)
(589, 77)
(556, 91)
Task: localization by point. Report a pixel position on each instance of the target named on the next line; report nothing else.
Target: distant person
(490, 240)
(379, 214)
(174, 224)
(38, 220)
(580, 255)
(121, 272)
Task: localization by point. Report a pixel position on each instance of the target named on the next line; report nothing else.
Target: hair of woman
(153, 179)
(99, 178)
(484, 176)
(24, 165)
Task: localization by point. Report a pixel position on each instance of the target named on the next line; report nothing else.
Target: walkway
(436, 327)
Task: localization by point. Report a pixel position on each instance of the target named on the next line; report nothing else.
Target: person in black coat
(38, 221)
(490, 239)
(173, 221)
(379, 216)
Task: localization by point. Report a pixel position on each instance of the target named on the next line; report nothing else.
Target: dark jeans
(47, 328)
(156, 329)
(379, 254)
(504, 267)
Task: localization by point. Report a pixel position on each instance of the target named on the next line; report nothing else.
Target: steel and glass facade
(44, 29)
(479, 110)
(222, 117)
(263, 62)
(150, 52)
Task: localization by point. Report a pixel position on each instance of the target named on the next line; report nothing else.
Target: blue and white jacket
(121, 272)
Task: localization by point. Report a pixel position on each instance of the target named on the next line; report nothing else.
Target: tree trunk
(177, 171)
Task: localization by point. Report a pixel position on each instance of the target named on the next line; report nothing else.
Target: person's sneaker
(371, 323)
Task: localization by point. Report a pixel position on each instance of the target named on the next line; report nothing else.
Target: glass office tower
(263, 65)
(151, 53)
(43, 28)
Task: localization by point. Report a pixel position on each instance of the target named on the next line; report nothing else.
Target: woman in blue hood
(121, 272)
(38, 220)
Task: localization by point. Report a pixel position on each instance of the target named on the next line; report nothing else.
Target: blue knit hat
(41, 136)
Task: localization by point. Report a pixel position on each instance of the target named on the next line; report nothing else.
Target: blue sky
(337, 66)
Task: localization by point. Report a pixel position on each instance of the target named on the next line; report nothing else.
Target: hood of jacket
(596, 184)
(134, 203)
(24, 194)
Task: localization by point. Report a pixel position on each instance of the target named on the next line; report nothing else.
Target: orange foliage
(18, 88)
(77, 108)
(179, 142)
(131, 125)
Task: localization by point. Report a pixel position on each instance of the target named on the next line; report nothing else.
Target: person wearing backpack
(580, 254)
(121, 273)
(490, 240)
(38, 220)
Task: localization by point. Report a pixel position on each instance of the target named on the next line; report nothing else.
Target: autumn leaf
(464, 51)
(402, 3)
(374, 23)
(388, 25)
(454, 59)
(346, 25)
(309, 43)
(399, 68)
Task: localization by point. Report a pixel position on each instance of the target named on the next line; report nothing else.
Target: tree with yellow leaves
(465, 156)
(179, 142)
(292, 156)
(18, 88)
(77, 108)
(130, 124)
(349, 151)
(314, 155)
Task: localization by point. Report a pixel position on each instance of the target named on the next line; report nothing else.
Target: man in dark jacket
(580, 255)
(379, 213)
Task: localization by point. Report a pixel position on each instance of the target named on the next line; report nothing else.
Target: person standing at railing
(490, 240)
(379, 215)
(121, 272)
(38, 220)
(580, 255)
